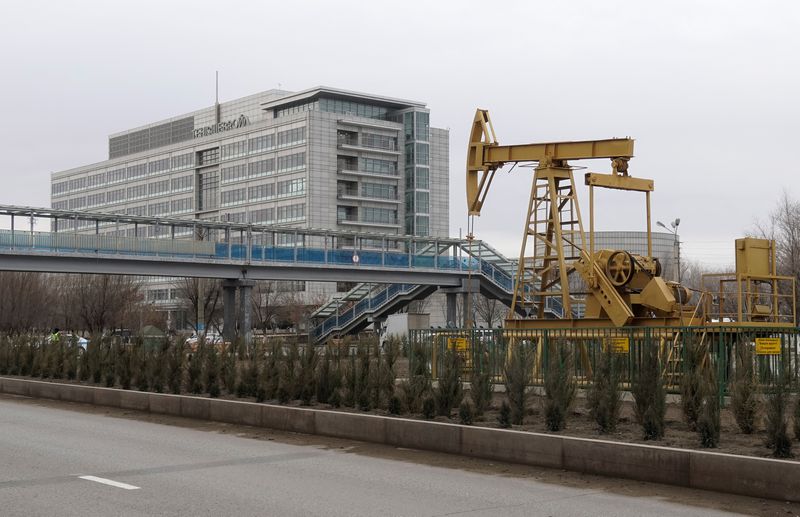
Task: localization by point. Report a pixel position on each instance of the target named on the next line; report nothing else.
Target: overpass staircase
(366, 303)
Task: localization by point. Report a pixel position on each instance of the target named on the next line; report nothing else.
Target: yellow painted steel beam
(619, 182)
(611, 148)
(485, 156)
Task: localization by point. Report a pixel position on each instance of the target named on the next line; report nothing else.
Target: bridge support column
(245, 310)
(229, 309)
(451, 308)
(468, 290)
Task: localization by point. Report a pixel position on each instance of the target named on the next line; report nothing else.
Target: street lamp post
(677, 246)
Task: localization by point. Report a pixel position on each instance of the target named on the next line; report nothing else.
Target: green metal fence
(490, 349)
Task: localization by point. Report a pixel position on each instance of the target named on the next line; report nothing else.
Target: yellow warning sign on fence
(768, 346)
(459, 344)
(619, 345)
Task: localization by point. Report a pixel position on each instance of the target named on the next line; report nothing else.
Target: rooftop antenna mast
(216, 97)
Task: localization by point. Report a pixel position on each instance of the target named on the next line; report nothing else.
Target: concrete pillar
(229, 309)
(451, 308)
(466, 310)
(245, 311)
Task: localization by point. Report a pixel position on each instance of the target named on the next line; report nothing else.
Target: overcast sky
(709, 90)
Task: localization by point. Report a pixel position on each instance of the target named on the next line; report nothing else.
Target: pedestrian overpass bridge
(405, 267)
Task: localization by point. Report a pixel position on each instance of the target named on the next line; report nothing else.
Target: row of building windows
(288, 188)
(379, 190)
(369, 165)
(122, 174)
(265, 167)
(261, 143)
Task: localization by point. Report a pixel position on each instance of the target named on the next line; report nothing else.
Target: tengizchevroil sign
(220, 127)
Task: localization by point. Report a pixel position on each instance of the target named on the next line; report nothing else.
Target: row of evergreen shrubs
(363, 375)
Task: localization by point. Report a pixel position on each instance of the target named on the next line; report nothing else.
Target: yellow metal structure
(553, 237)
(621, 287)
(754, 294)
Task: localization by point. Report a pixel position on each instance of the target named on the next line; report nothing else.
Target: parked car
(211, 338)
(67, 338)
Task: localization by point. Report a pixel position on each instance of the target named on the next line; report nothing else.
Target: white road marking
(110, 482)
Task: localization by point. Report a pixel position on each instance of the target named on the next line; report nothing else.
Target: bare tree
(783, 226)
(22, 299)
(266, 302)
(102, 302)
(200, 296)
(491, 311)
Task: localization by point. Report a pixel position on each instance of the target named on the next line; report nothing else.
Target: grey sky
(708, 89)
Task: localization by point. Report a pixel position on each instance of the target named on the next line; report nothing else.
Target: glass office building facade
(319, 158)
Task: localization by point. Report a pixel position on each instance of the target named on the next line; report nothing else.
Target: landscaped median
(758, 477)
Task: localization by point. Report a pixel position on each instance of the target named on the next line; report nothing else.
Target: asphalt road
(146, 468)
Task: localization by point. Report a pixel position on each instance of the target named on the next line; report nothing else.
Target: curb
(727, 473)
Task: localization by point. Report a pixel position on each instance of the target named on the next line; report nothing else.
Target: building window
(233, 149)
(261, 143)
(262, 216)
(158, 209)
(158, 187)
(115, 196)
(140, 210)
(157, 166)
(375, 166)
(422, 225)
(423, 202)
(115, 176)
(261, 192)
(291, 213)
(261, 168)
(96, 180)
(137, 192)
(234, 173)
(208, 156)
(180, 206)
(357, 109)
(422, 126)
(208, 184)
(233, 197)
(379, 141)
(137, 171)
(291, 137)
(291, 162)
(182, 184)
(423, 178)
(379, 215)
(379, 190)
(293, 187)
(183, 161)
(423, 152)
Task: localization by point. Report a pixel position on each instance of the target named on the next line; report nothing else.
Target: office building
(319, 158)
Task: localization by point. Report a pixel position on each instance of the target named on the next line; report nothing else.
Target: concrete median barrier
(513, 446)
(418, 434)
(627, 460)
(195, 407)
(137, 400)
(758, 477)
(164, 404)
(235, 412)
(367, 428)
(77, 393)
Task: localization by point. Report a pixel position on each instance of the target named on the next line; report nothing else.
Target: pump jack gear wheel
(620, 268)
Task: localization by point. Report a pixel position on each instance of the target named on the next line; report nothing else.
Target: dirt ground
(697, 498)
(677, 433)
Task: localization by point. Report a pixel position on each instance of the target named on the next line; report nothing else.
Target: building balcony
(357, 222)
(353, 195)
(355, 172)
(354, 145)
